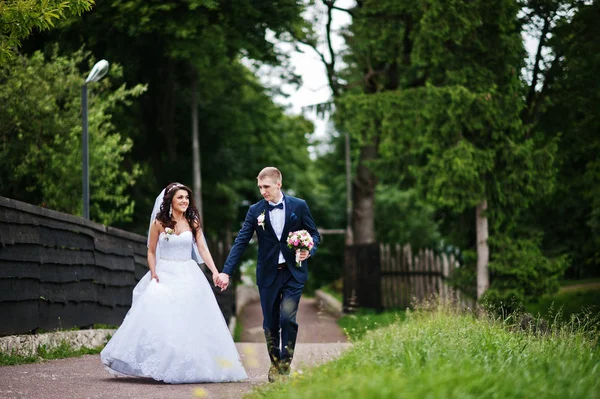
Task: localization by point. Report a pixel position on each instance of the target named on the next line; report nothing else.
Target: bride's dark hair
(191, 214)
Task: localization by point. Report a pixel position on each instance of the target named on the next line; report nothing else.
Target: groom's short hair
(270, 172)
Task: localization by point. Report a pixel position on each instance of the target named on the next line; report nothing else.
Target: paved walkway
(315, 325)
(85, 377)
(320, 340)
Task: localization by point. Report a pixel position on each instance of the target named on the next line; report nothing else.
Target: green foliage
(456, 144)
(567, 109)
(334, 289)
(443, 355)
(441, 104)
(326, 195)
(40, 127)
(19, 18)
(519, 268)
(179, 44)
(464, 277)
(403, 217)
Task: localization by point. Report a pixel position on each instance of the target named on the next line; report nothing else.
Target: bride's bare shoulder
(196, 225)
(156, 225)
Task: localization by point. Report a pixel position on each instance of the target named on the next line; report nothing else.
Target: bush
(520, 272)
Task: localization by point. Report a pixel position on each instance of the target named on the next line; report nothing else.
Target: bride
(175, 331)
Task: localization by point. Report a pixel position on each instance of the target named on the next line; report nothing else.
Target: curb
(27, 345)
(329, 303)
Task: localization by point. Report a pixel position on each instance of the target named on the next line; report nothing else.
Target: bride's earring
(170, 210)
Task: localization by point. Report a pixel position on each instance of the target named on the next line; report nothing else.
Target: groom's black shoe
(284, 368)
(273, 373)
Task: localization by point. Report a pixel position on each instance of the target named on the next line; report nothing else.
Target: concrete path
(320, 340)
(85, 377)
(315, 325)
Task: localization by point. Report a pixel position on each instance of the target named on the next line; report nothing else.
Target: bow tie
(280, 206)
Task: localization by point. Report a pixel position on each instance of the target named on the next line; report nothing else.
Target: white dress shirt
(277, 217)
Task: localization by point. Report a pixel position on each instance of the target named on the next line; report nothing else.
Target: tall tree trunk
(483, 251)
(349, 232)
(196, 149)
(363, 215)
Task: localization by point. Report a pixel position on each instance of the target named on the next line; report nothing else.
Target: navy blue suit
(280, 289)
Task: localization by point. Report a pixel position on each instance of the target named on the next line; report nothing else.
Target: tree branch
(548, 81)
(343, 9)
(314, 47)
(331, 65)
(531, 95)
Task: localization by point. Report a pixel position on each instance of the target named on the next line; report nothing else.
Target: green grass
(356, 325)
(567, 304)
(337, 295)
(237, 331)
(105, 327)
(61, 351)
(445, 354)
(566, 283)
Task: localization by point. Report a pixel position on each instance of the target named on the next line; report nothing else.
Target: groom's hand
(304, 254)
(223, 281)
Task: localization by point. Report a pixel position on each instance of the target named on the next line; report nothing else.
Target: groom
(280, 281)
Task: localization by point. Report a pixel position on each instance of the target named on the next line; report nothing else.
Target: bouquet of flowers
(298, 240)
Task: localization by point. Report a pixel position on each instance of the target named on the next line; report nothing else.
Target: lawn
(574, 299)
(356, 325)
(445, 354)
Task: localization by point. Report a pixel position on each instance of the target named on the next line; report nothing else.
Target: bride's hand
(223, 281)
(216, 280)
(153, 276)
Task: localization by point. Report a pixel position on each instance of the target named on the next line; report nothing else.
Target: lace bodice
(176, 247)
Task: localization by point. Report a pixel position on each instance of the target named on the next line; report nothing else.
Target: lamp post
(97, 73)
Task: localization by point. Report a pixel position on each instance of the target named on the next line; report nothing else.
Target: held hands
(221, 280)
(216, 280)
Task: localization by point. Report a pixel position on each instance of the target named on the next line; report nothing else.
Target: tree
(40, 131)
(563, 98)
(19, 18)
(440, 110)
(168, 45)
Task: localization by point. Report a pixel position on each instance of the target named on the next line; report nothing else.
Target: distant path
(316, 325)
(580, 287)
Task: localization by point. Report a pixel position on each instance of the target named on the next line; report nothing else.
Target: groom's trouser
(280, 306)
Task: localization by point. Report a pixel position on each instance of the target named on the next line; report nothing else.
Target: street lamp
(97, 73)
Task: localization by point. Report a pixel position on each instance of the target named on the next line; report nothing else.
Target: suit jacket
(297, 217)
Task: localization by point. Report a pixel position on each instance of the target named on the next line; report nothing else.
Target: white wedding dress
(174, 331)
